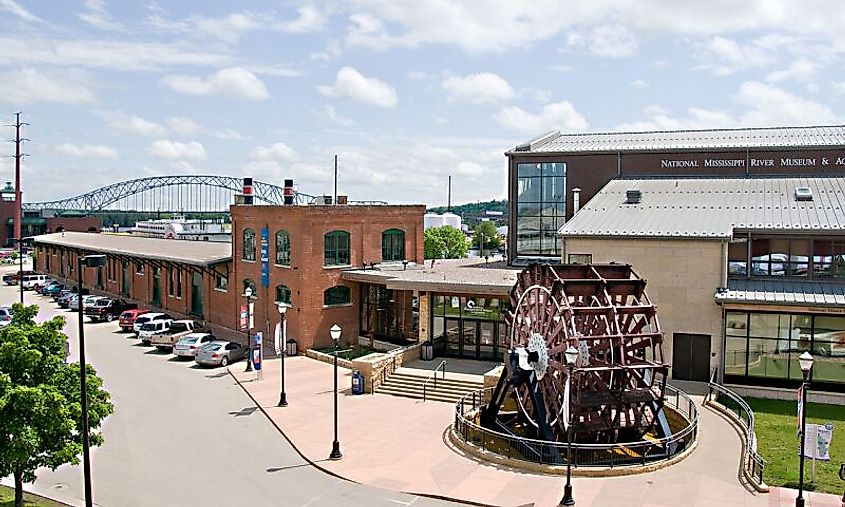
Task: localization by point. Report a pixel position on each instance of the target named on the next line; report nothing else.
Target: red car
(127, 318)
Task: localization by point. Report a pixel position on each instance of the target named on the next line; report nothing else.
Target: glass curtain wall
(469, 327)
(388, 315)
(763, 348)
(540, 208)
(787, 257)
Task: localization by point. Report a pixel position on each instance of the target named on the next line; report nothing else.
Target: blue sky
(405, 92)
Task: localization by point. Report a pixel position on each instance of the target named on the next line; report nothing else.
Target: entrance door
(156, 287)
(469, 345)
(487, 339)
(196, 294)
(691, 357)
(124, 281)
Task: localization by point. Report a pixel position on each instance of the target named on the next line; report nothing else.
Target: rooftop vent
(803, 194)
(633, 197)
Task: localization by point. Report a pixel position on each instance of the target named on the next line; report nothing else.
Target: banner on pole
(817, 441)
(256, 350)
(800, 409)
(243, 318)
(277, 339)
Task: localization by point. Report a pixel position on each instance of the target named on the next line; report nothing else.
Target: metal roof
(783, 292)
(717, 139)
(197, 253)
(710, 207)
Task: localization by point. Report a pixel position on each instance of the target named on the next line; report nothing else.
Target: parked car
(220, 353)
(153, 328)
(12, 278)
(87, 301)
(189, 344)
(148, 317)
(178, 329)
(108, 309)
(63, 296)
(33, 281)
(68, 301)
(45, 289)
(5, 316)
(127, 318)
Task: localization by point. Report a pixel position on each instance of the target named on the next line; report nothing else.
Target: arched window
(336, 248)
(283, 248)
(283, 294)
(248, 245)
(338, 295)
(248, 282)
(393, 245)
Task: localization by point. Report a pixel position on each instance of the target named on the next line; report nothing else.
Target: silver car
(220, 353)
(190, 344)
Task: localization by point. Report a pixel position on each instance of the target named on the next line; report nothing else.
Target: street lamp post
(571, 354)
(87, 261)
(805, 360)
(335, 454)
(283, 398)
(248, 297)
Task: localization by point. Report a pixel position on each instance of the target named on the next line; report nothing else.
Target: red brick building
(294, 254)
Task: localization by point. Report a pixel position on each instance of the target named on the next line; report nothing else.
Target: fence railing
(753, 465)
(586, 455)
(433, 377)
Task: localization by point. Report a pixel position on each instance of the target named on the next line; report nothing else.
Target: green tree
(445, 242)
(40, 399)
(491, 236)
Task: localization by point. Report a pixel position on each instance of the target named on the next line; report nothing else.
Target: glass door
(469, 347)
(487, 339)
(453, 337)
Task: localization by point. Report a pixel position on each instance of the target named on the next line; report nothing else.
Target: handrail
(583, 454)
(433, 376)
(753, 465)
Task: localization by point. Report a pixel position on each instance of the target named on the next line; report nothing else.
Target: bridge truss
(169, 194)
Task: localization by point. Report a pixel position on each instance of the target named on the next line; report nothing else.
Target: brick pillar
(425, 305)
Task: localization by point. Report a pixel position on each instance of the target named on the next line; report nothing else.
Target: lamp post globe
(283, 343)
(335, 332)
(805, 360)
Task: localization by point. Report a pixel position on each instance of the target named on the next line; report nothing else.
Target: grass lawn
(7, 499)
(777, 439)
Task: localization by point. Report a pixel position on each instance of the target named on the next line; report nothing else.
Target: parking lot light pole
(20, 261)
(283, 397)
(335, 334)
(571, 355)
(248, 297)
(805, 360)
(87, 261)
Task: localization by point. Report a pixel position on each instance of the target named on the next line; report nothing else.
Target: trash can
(291, 347)
(427, 351)
(357, 382)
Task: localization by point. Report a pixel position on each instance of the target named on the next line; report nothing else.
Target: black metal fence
(752, 463)
(586, 455)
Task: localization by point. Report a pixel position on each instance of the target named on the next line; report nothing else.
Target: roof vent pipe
(633, 197)
(576, 200)
(803, 194)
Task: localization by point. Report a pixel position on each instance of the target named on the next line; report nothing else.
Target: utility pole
(18, 203)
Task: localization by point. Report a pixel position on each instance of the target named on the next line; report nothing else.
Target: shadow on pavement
(244, 412)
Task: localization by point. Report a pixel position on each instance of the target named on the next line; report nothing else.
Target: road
(182, 435)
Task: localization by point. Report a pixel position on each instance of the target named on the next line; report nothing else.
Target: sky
(406, 92)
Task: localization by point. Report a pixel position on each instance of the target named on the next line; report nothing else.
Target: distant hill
(474, 209)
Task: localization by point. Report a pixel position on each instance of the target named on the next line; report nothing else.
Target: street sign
(817, 441)
(265, 257)
(256, 350)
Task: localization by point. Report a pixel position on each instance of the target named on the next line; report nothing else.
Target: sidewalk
(400, 444)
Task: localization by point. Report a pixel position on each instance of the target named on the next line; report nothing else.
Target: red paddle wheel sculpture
(616, 393)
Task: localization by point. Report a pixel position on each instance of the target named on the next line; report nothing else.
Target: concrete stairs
(450, 389)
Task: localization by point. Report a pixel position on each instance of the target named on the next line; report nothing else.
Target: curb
(335, 474)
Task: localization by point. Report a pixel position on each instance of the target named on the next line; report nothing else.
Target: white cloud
(234, 81)
(98, 17)
(772, 106)
(658, 118)
(183, 125)
(331, 51)
(118, 120)
(15, 8)
(229, 135)
(338, 119)
(478, 88)
(174, 150)
(111, 54)
(87, 150)
(803, 70)
(232, 27)
(639, 83)
(724, 56)
(555, 116)
(612, 41)
(351, 84)
(26, 86)
(839, 87)
(309, 19)
(274, 152)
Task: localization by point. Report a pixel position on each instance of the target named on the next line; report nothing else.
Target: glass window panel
(799, 257)
(736, 324)
(248, 245)
(528, 209)
(735, 355)
(764, 359)
(528, 236)
(830, 368)
(553, 190)
(837, 261)
(439, 305)
(283, 248)
(337, 295)
(528, 189)
(528, 170)
(553, 169)
(778, 256)
(769, 325)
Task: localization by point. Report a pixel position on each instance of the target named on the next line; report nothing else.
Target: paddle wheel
(616, 393)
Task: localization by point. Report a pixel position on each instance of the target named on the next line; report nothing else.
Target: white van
(153, 328)
(30, 281)
(148, 317)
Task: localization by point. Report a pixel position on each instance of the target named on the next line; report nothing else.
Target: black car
(108, 309)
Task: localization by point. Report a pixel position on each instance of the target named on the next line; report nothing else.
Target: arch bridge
(170, 194)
